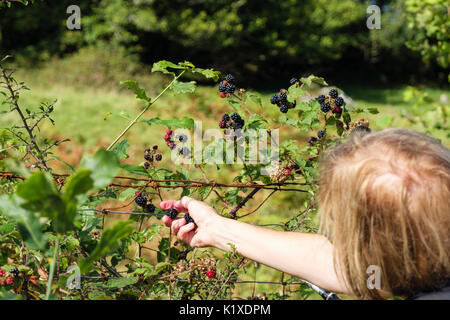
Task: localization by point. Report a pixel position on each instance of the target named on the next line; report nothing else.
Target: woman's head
(384, 198)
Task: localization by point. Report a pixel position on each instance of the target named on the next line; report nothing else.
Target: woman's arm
(307, 256)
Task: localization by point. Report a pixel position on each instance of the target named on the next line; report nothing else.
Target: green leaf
(184, 123)
(107, 244)
(115, 283)
(134, 86)
(121, 150)
(104, 166)
(207, 73)
(373, 110)
(80, 183)
(140, 170)
(162, 66)
(38, 186)
(256, 98)
(27, 222)
(183, 87)
(7, 228)
(236, 106)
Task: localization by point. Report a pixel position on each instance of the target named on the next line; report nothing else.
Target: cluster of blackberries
(227, 86)
(170, 141)
(143, 202)
(234, 121)
(281, 101)
(331, 102)
(150, 155)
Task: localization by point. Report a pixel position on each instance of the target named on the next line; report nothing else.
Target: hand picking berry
(189, 219)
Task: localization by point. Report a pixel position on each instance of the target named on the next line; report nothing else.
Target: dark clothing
(440, 294)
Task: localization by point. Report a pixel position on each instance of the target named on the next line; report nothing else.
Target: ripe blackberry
(320, 134)
(321, 99)
(226, 117)
(158, 157)
(333, 93)
(184, 151)
(293, 81)
(230, 88)
(229, 78)
(148, 157)
(235, 116)
(275, 99)
(237, 125)
(325, 107)
(146, 165)
(222, 87)
(141, 201)
(283, 97)
(284, 108)
(312, 140)
(172, 213)
(182, 138)
(188, 218)
(150, 208)
(222, 124)
(339, 102)
(171, 145)
(155, 147)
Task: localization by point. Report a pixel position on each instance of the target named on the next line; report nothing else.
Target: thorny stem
(132, 123)
(14, 99)
(52, 269)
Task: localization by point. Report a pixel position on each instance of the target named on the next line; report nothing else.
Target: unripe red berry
(287, 171)
(2, 282)
(169, 131)
(211, 273)
(167, 137)
(2, 272)
(10, 280)
(222, 94)
(33, 280)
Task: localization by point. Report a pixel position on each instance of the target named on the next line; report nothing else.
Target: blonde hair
(384, 199)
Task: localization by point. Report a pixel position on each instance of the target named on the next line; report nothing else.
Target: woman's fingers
(169, 204)
(184, 233)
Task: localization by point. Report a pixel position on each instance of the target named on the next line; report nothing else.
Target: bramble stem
(132, 123)
(52, 270)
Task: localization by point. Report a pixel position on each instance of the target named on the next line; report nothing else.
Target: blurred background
(402, 69)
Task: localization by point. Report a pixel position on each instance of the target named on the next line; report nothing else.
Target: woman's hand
(204, 216)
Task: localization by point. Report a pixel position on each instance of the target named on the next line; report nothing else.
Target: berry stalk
(132, 123)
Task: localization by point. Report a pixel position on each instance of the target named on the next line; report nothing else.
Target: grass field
(91, 116)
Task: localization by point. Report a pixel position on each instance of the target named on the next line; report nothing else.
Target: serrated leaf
(207, 73)
(27, 222)
(116, 283)
(134, 86)
(121, 150)
(79, 183)
(38, 186)
(161, 66)
(184, 123)
(183, 87)
(236, 106)
(104, 166)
